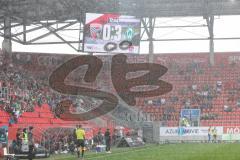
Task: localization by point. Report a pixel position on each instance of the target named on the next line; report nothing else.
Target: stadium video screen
(111, 33)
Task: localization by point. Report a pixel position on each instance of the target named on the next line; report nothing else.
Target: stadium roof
(23, 20)
(37, 10)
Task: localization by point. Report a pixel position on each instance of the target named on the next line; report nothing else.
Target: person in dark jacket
(108, 140)
(30, 143)
(100, 137)
(19, 138)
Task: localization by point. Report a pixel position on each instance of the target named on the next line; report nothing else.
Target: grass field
(166, 152)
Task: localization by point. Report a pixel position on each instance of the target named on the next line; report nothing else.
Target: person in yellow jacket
(80, 135)
(24, 145)
(25, 135)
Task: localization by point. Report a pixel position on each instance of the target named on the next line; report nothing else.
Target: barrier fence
(198, 134)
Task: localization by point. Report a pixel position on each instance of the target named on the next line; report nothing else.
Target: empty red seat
(46, 115)
(30, 114)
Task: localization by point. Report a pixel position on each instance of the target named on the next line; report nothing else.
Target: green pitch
(166, 152)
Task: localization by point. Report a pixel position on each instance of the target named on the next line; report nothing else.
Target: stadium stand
(27, 99)
(197, 85)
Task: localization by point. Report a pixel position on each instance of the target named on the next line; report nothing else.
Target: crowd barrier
(198, 134)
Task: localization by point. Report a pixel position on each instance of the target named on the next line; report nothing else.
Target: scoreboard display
(112, 33)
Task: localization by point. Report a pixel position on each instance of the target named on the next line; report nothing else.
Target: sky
(224, 27)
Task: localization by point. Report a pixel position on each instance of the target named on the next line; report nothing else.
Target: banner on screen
(187, 131)
(191, 114)
(231, 130)
(111, 33)
(231, 133)
(230, 137)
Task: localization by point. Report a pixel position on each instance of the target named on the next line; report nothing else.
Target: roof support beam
(210, 23)
(151, 44)
(149, 31)
(7, 43)
(51, 31)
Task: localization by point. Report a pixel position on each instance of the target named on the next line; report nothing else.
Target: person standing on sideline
(24, 136)
(100, 137)
(19, 137)
(30, 143)
(108, 140)
(24, 145)
(80, 134)
(209, 134)
(215, 135)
